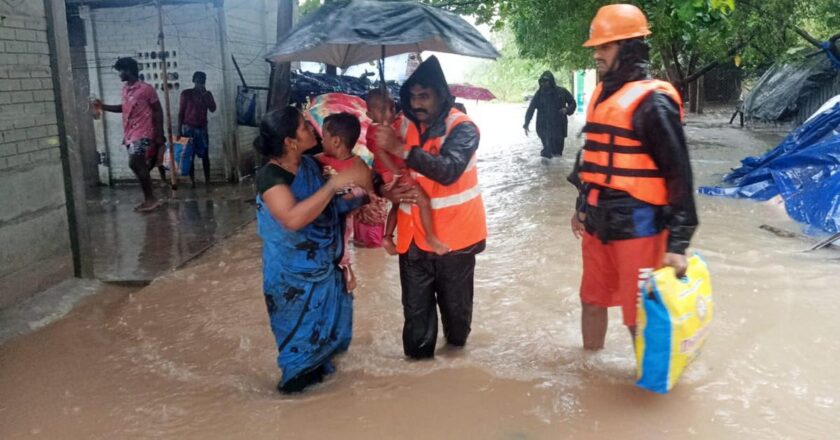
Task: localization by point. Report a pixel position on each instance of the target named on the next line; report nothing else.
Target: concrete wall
(197, 36)
(250, 34)
(34, 239)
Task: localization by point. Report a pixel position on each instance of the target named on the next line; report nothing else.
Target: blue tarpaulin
(804, 170)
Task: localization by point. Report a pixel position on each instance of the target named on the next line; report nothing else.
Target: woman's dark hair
(128, 64)
(276, 126)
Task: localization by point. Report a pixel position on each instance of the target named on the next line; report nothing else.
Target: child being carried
(380, 108)
(340, 133)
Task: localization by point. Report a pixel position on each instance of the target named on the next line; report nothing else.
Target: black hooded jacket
(553, 105)
(455, 153)
(449, 164)
(658, 125)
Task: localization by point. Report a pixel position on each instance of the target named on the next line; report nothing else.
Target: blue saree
(310, 311)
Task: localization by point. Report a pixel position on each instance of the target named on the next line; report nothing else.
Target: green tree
(308, 6)
(689, 36)
(511, 77)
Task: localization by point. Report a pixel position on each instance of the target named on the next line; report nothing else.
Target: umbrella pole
(382, 69)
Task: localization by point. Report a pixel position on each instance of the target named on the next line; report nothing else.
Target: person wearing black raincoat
(553, 104)
(438, 143)
(635, 212)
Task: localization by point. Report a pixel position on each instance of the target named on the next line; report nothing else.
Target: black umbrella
(347, 33)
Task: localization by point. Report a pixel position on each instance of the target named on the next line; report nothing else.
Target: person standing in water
(635, 212)
(192, 117)
(553, 104)
(438, 144)
(300, 221)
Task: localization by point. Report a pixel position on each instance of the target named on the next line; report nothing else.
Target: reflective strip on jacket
(457, 209)
(613, 157)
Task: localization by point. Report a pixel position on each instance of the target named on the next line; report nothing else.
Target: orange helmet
(617, 22)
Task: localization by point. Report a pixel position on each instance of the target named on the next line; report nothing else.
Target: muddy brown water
(191, 355)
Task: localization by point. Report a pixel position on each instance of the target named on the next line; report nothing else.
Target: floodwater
(134, 248)
(191, 355)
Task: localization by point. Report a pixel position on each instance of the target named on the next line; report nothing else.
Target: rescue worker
(636, 210)
(553, 104)
(439, 145)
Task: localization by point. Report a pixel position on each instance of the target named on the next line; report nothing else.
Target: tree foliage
(687, 34)
(511, 77)
(306, 7)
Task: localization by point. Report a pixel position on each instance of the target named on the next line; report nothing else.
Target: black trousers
(552, 146)
(430, 282)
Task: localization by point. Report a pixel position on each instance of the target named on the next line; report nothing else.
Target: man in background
(142, 118)
(192, 116)
(553, 105)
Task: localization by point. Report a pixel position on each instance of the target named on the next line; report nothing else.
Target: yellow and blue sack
(672, 323)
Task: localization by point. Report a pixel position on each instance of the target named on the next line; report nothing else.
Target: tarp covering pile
(779, 91)
(804, 170)
(306, 85)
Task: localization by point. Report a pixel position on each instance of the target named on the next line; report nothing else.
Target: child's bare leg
(390, 225)
(426, 219)
(349, 279)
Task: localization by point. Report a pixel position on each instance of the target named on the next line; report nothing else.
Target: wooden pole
(173, 173)
(68, 138)
(228, 103)
(330, 69)
(280, 81)
(382, 70)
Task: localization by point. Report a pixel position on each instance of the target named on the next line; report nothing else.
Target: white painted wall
(194, 38)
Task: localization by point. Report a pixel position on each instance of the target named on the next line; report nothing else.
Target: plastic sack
(672, 323)
(369, 236)
(248, 107)
(370, 222)
(306, 85)
(183, 155)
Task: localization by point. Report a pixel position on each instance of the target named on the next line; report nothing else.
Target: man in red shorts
(636, 208)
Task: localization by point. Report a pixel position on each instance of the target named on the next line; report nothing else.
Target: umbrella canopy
(347, 33)
(467, 91)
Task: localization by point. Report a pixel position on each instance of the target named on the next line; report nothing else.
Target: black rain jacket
(455, 153)
(658, 124)
(553, 105)
(457, 150)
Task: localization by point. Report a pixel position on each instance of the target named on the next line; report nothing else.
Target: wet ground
(138, 247)
(192, 356)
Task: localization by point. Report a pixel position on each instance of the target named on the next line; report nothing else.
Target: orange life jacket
(457, 209)
(613, 156)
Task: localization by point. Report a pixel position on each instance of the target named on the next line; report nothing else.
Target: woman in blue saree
(300, 221)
